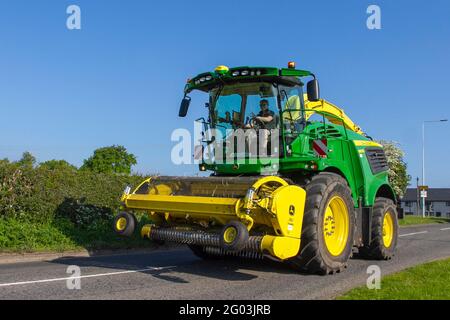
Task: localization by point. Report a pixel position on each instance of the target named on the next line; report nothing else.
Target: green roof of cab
(205, 80)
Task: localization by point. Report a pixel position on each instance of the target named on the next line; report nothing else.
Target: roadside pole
(423, 193)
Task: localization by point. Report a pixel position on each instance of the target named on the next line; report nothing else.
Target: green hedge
(62, 235)
(39, 194)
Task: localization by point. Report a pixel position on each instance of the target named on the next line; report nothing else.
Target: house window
(408, 204)
(447, 204)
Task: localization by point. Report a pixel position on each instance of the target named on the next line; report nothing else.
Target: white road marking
(80, 277)
(445, 229)
(410, 234)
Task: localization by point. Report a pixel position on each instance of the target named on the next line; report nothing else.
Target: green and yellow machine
(318, 191)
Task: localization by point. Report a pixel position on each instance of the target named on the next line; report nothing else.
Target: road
(178, 274)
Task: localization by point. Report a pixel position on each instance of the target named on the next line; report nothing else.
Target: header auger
(304, 185)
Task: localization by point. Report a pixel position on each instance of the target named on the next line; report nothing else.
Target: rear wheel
(328, 225)
(384, 231)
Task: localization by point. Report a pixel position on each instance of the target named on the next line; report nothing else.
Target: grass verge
(430, 281)
(412, 220)
(61, 235)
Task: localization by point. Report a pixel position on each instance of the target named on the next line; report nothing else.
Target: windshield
(293, 114)
(234, 106)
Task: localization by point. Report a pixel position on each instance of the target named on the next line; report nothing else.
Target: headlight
(244, 73)
(235, 73)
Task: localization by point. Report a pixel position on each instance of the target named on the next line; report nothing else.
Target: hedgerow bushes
(39, 194)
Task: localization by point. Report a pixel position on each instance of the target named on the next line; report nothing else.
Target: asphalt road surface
(178, 274)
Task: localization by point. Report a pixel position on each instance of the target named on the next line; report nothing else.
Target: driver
(266, 116)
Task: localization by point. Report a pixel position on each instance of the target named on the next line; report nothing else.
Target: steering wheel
(256, 123)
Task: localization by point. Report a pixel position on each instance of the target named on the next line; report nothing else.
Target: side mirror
(312, 88)
(184, 106)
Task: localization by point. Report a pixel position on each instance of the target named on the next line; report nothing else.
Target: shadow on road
(175, 263)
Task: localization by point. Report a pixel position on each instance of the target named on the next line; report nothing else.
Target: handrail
(333, 113)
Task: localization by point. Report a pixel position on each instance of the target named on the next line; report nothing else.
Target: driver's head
(264, 104)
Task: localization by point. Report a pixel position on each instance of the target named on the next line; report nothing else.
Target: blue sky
(119, 79)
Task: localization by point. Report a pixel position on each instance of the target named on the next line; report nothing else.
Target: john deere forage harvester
(321, 190)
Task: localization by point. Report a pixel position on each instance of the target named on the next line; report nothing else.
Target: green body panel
(344, 155)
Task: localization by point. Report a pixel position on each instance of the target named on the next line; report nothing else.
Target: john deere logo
(291, 210)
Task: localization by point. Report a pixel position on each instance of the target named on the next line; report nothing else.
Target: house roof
(434, 194)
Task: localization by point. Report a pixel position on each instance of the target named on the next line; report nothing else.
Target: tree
(27, 160)
(113, 159)
(398, 176)
(57, 165)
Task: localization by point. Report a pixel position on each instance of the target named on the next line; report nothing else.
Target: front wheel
(328, 225)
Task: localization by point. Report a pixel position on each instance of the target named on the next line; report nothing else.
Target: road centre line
(413, 233)
(86, 276)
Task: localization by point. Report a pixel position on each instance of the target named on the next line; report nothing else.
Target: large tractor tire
(328, 225)
(384, 231)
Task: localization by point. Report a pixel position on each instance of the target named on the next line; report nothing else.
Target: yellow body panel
(365, 143)
(287, 206)
(281, 247)
(182, 204)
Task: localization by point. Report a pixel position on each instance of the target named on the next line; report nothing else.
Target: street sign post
(423, 194)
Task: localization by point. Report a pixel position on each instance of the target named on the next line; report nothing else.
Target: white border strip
(410, 234)
(80, 277)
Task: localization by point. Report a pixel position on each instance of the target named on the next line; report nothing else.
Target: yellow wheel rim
(336, 226)
(121, 224)
(388, 229)
(230, 235)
